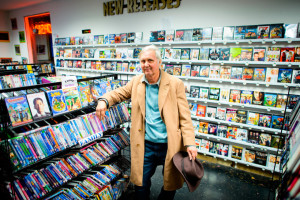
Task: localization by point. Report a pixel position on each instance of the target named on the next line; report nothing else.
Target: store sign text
(117, 7)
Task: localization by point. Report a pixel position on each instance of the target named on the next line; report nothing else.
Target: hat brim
(177, 159)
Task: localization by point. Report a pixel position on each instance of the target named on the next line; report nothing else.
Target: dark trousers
(155, 154)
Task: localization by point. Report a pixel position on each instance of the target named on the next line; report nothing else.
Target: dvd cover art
(18, 110)
(292, 101)
(212, 129)
(235, 54)
(214, 93)
(204, 54)
(253, 137)
(296, 76)
(224, 53)
(253, 118)
(185, 54)
(179, 35)
(258, 98)
(259, 74)
(270, 99)
(259, 54)
(224, 95)
(138, 37)
(272, 75)
(241, 116)
(275, 141)
(117, 38)
(169, 69)
(187, 34)
(246, 54)
(203, 127)
(265, 139)
(237, 152)
(38, 105)
(72, 98)
(213, 147)
(231, 114)
(168, 53)
(197, 34)
(201, 111)
(214, 54)
(261, 158)
(204, 71)
(221, 113)
(264, 120)
(236, 73)
(222, 131)
(195, 70)
(297, 53)
(285, 75)
(249, 156)
(186, 70)
(228, 33)
(204, 93)
(251, 32)
(195, 90)
(217, 33)
(193, 108)
(276, 31)
(263, 31)
(214, 71)
(239, 32)
(176, 54)
(195, 54)
(273, 54)
(57, 101)
(130, 37)
(204, 145)
(235, 96)
(277, 122)
(274, 162)
(211, 112)
(290, 30)
(206, 33)
(242, 135)
(248, 73)
(225, 72)
(281, 100)
(169, 35)
(177, 70)
(287, 54)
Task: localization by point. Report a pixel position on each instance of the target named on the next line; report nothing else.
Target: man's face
(39, 106)
(255, 57)
(149, 63)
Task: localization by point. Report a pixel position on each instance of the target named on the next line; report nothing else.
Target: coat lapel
(163, 90)
(142, 97)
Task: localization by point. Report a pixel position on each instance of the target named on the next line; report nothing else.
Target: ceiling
(8, 5)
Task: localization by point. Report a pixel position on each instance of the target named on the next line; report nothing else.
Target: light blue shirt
(156, 130)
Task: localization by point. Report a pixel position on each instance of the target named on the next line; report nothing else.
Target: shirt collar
(146, 81)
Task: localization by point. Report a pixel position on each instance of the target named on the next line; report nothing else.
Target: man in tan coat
(161, 124)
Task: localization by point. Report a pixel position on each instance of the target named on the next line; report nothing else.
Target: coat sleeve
(120, 94)
(185, 120)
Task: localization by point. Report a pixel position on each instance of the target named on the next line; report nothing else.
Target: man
(161, 124)
(39, 106)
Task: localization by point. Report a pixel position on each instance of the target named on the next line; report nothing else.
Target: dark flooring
(219, 182)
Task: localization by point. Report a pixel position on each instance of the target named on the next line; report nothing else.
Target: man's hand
(192, 151)
(100, 110)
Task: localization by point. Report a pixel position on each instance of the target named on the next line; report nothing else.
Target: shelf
(238, 161)
(250, 127)
(237, 142)
(97, 71)
(264, 108)
(210, 62)
(244, 82)
(211, 42)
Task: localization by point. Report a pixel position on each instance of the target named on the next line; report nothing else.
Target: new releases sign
(117, 7)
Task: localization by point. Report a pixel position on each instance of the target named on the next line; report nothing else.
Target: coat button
(140, 130)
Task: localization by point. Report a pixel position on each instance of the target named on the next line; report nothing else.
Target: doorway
(39, 37)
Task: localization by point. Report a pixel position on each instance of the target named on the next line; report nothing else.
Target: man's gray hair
(152, 48)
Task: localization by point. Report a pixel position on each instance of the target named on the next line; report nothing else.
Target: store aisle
(219, 182)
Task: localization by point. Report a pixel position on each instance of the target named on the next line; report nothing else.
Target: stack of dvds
(61, 170)
(19, 80)
(40, 143)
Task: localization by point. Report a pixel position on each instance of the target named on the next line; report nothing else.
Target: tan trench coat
(175, 113)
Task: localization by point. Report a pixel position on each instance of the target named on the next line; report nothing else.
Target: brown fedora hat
(191, 170)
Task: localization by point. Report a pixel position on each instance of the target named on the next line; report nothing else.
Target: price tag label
(68, 81)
